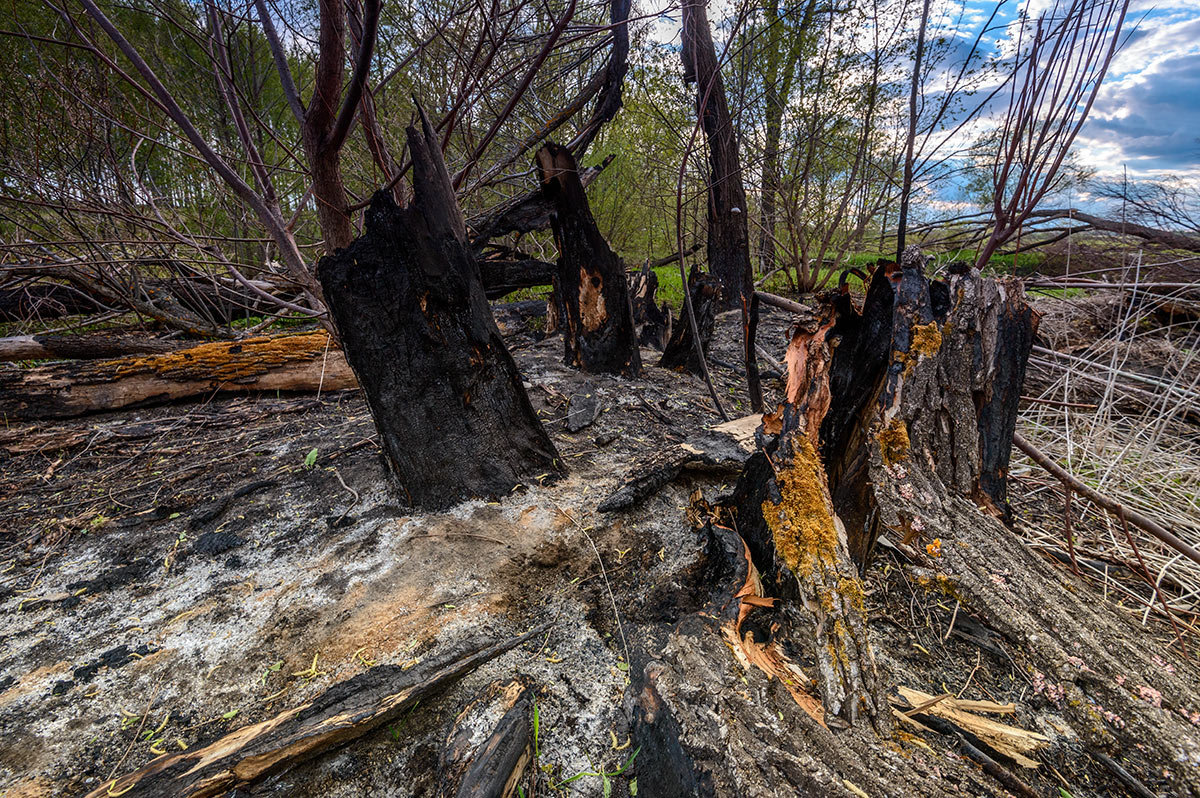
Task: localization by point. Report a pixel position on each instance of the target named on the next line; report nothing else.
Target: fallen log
(44, 301)
(341, 714)
(453, 418)
(289, 363)
(92, 346)
(591, 291)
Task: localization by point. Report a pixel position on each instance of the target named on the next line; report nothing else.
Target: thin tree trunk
(728, 240)
(911, 138)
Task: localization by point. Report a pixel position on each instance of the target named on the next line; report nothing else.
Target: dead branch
(341, 714)
(1117, 509)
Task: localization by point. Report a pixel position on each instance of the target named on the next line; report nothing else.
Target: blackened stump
(445, 394)
(680, 351)
(592, 293)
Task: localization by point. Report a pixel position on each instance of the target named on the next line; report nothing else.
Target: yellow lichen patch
(802, 522)
(893, 441)
(926, 339)
(229, 361)
(852, 589)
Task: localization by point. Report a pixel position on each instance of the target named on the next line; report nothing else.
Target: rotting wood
(306, 362)
(591, 291)
(341, 714)
(914, 423)
(453, 417)
(963, 402)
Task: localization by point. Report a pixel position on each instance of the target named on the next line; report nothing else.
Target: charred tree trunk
(787, 513)
(652, 321)
(964, 408)
(865, 387)
(502, 276)
(592, 293)
(728, 240)
(680, 351)
(409, 304)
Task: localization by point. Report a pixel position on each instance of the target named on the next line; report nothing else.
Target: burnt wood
(653, 321)
(728, 239)
(502, 276)
(595, 314)
(343, 713)
(408, 302)
(680, 351)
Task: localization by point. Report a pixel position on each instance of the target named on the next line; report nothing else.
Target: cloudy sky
(1147, 116)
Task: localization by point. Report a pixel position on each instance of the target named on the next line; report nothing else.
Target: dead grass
(1114, 411)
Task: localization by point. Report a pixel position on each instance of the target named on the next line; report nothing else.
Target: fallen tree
(305, 362)
(92, 346)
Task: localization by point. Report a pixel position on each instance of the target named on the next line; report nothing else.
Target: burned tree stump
(408, 302)
(786, 513)
(591, 292)
(923, 365)
(889, 411)
(652, 321)
(680, 351)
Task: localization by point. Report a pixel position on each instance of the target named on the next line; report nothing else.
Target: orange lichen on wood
(802, 522)
(224, 361)
(893, 441)
(926, 339)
